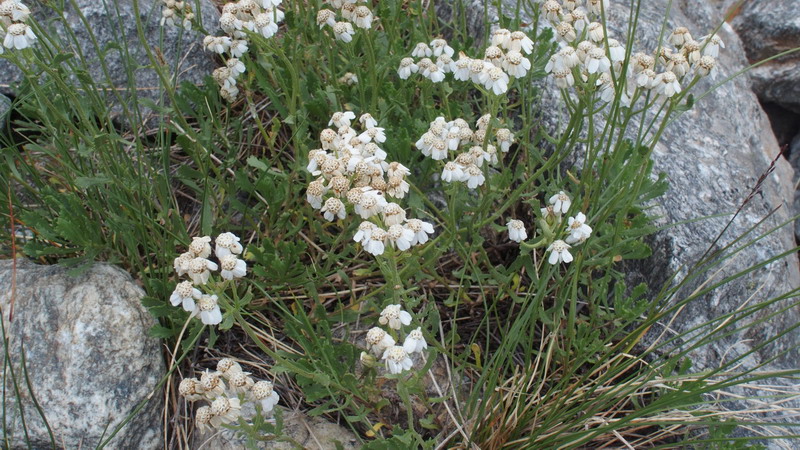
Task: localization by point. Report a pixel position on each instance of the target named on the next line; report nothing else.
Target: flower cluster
(501, 60)
(352, 14)
(352, 173)
(590, 57)
(255, 16)
(16, 34)
(381, 343)
(174, 12)
(198, 267)
(576, 229)
(226, 390)
(444, 137)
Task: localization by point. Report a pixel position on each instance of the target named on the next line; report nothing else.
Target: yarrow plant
(353, 174)
(397, 358)
(177, 13)
(444, 137)
(196, 264)
(15, 33)
(351, 12)
(239, 18)
(503, 60)
(226, 390)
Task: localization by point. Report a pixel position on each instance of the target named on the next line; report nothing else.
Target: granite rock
(112, 26)
(298, 430)
(767, 28)
(5, 107)
(89, 360)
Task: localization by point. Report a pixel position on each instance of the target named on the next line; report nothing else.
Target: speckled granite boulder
(5, 106)
(89, 360)
(112, 25)
(769, 27)
(298, 430)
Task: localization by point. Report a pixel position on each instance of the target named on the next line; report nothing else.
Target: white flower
(520, 42)
(597, 61)
(367, 121)
(236, 66)
(375, 242)
(422, 50)
(364, 232)
(666, 84)
(679, 37)
(217, 44)
(516, 65)
(212, 384)
(616, 50)
(505, 138)
(202, 419)
(341, 119)
(713, 44)
(225, 410)
(566, 32)
(238, 47)
(445, 63)
(228, 367)
(397, 359)
(344, 31)
(378, 340)
(474, 176)
(420, 229)
(326, 17)
(559, 251)
(376, 133)
(394, 317)
(314, 192)
(400, 236)
(167, 17)
(552, 10)
(232, 267)
(434, 73)
(227, 244)
(595, 30)
(561, 203)
(371, 203)
(577, 229)
(181, 263)
(199, 270)
(564, 78)
(200, 247)
(440, 47)
(363, 17)
(185, 294)
(393, 214)
(595, 6)
(265, 25)
(415, 342)
(209, 310)
(190, 389)
(14, 10)
(461, 67)
(452, 172)
(333, 208)
(496, 80)
(501, 37)
(240, 382)
(707, 65)
(516, 230)
(407, 67)
(264, 392)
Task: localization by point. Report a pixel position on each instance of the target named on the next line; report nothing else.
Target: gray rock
(5, 106)
(112, 25)
(769, 27)
(713, 155)
(89, 360)
(298, 430)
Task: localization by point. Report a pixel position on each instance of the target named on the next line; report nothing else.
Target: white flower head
(344, 31)
(375, 243)
(577, 229)
(232, 267)
(185, 294)
(420, 229)
(415, 342)
(422, 50)
(264, 392)
(191, 389)
(227, 244)
(208, 308)
(333, 208)
(341, 119)
(202, 419)
(397, 359)
(378, 340)
(559, 251)
(19, 36)
(400, 236)
(200, 270)
(516, 230)
(225, 410)
(561, 203)
(200, 247)
(363, 17)
(394, 317)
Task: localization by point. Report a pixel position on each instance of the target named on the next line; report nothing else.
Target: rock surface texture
(767, 28)
(89, 360)
(713, 156)
(5, 106)
(298, 430)
(113, 26)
